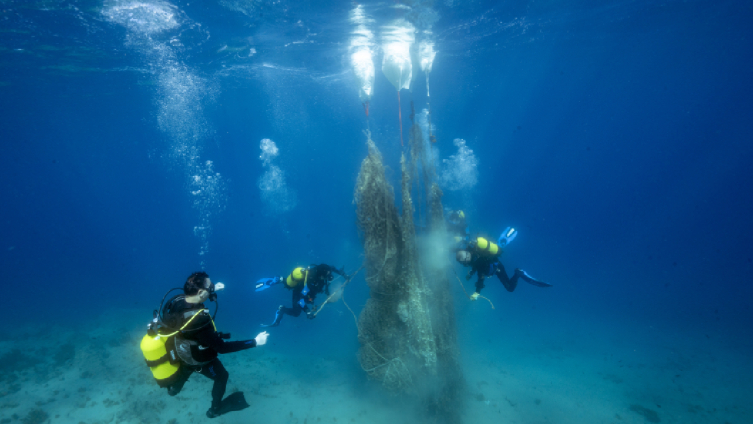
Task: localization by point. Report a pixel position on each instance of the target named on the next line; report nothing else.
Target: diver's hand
(261, 338)
(469, 276)
(311, 314)
(475, 296)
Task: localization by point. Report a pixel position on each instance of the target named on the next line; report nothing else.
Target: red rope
(400, 117)
(366, 108)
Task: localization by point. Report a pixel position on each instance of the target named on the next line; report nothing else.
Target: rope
(466, 293)
(338, 290)
(400, 117)
(355, 319)
(354, 316)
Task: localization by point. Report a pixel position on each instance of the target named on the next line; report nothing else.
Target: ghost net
(407, 327)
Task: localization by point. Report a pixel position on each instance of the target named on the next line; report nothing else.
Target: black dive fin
(530, 280)
(234, 402)
(538, 283)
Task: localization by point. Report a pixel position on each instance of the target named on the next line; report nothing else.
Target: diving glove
(266, 283)
(507, 236)
(475, 296)
(261, 338)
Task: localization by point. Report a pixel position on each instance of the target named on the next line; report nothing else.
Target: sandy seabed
(523, 371)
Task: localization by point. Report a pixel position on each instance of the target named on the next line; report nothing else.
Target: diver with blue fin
(182, 339)
(482, 256)
(305, 283)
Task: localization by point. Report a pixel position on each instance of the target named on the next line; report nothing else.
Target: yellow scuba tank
(162, 364)
(159, 345)
(159, 349)
(299, 274)
(486, 247)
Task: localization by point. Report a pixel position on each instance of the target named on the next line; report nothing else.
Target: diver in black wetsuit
(306, 283)
(198, 343)
(483, 258)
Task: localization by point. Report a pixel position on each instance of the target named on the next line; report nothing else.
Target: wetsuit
(319, 277)
(487, 266)
(209, 343)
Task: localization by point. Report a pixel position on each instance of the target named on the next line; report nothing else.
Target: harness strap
(160, 361)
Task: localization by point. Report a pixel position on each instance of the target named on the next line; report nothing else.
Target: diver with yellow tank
(182, 339)
(306, 283)
(482, 256)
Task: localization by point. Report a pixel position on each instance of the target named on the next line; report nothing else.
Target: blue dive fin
(507, 236)
(264, 284)
(278, 318)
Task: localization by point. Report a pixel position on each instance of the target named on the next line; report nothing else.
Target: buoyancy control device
(163, 348)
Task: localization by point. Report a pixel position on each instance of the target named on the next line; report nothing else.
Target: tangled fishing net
(407, 345)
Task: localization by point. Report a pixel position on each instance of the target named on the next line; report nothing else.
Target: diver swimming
(305, 283)
(182, 339)
(482, 256)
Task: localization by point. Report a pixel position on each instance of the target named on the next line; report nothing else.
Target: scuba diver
(306, 283)
(457, 227)
(182, 339)
(483, 258)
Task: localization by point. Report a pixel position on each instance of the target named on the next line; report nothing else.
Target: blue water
(615, 135)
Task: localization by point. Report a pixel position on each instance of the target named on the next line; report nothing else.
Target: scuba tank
(162, 363)
(158, 344)
(486, 248)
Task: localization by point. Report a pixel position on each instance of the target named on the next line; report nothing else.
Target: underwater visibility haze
(145, 140)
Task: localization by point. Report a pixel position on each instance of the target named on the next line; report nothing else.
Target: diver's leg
(293, 312)
(509, 283)
(217, 372)
(183, 373)
(296, 309)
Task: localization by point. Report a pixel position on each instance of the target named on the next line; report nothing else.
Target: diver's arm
(479, 283)
(216, 342)
(340, 272)
(471, 272)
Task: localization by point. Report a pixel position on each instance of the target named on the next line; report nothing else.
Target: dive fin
(530, 280)
(234, 402)
(507, 236)
(264, 284)
(278, 318)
